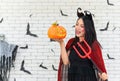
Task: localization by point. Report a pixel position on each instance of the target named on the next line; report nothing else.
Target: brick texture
(40, 14)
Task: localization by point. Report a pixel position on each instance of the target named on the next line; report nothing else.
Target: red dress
(96, 58)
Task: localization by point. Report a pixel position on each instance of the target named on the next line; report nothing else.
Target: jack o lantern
(56, 31)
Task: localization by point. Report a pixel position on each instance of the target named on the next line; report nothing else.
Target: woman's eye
(82, 26)
(76, 24)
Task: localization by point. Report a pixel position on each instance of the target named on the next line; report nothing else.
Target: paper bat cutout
(110, 57)
(26, 47)
(113, 28)
(51, 40)
(14, 79)
(30, 15)
(52, 51)
(106, 28)
(23, 68)
(109, 3)
(63, 13)
(43, 66)
(73, 26)
(28, 31)
(1, 20)
(54, 68)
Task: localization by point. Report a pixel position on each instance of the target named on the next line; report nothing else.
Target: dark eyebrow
(82, 24)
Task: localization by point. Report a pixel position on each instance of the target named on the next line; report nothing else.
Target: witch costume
(82, 69)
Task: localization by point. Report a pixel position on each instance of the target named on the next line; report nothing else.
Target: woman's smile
(79, 28)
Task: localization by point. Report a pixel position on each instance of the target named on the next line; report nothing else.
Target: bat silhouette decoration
(54, 68)
(29, 32)
(52, 51)
(73, 26)
(1, 20)
(23, 68)
(51, 40)
(63, 13)
(110, 57)
(14, 79)
(30, 15)
(113, 28)
(109, 3)
(41, 65)
(106, 28)
(26, 47)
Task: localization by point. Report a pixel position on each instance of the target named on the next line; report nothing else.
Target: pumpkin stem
(55, 23)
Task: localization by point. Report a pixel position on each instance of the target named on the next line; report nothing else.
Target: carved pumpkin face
(56, 31)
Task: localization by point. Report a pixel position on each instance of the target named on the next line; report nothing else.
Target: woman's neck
(81, 38)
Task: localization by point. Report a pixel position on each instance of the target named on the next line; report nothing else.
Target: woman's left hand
(103, 76)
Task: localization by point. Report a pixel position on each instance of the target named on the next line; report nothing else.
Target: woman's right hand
(58, 40)
(63, 52)
(103, 76)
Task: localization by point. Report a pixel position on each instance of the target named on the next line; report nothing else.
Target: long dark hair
(90, 33)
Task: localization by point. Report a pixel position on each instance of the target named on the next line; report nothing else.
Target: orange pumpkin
(56, 31)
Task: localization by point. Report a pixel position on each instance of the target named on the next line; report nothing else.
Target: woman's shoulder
(71, 39)
(96, 44)
(69, 43)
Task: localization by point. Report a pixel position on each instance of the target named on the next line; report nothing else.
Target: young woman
(72, 66)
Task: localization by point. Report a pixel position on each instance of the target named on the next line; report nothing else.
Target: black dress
(80, 69)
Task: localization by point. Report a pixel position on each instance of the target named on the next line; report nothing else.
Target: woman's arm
(64, 53)
(97, 59)
(103, 76)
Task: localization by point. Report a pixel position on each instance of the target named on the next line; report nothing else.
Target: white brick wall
(15, 14)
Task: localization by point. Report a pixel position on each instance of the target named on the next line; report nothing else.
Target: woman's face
(79, 28)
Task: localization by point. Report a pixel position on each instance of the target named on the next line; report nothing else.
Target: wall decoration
(109, 3)
(53, 51)
(63, 13)
(30, 15)
(109, 57)
(113, 28)
(26, 47)
(1, 20)
(14, 79)
(29, 32)
(54, 68)
(20, 15)
(7, 58)
(73, 26)
(106, 28)
(41, 65)
(23, 68)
